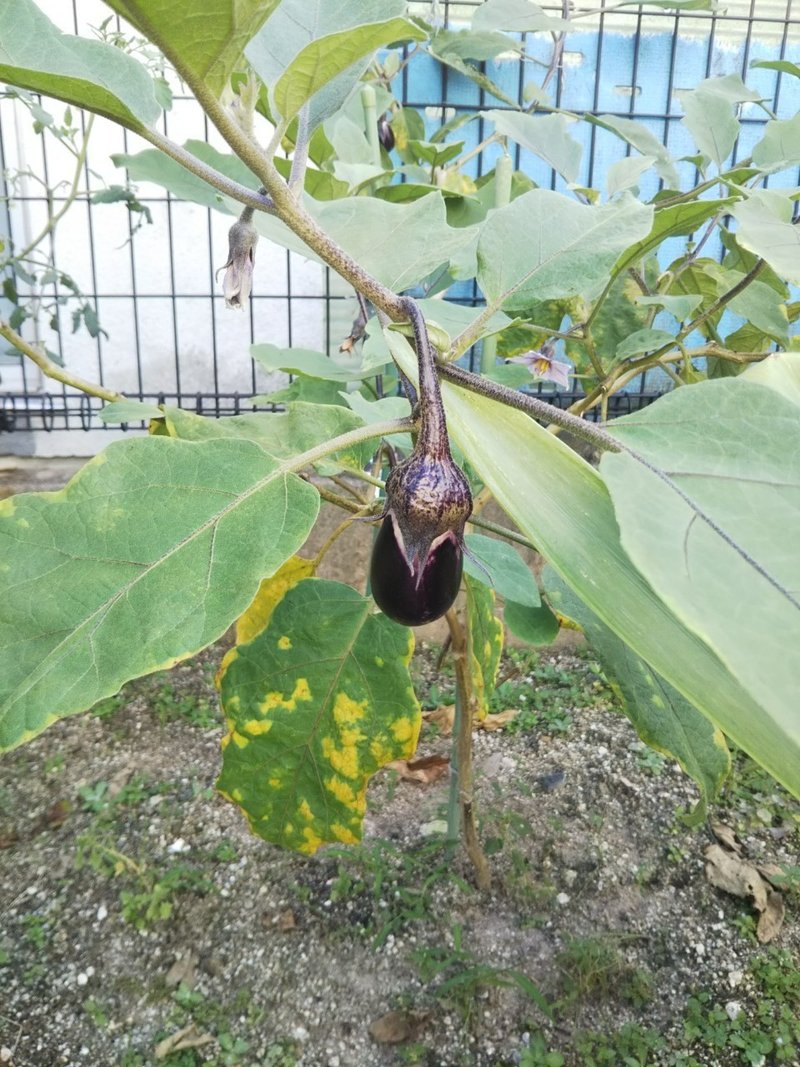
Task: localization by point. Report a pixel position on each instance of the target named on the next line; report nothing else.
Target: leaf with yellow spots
(485, 642)
(316, 703)
(664, 719)
(146, 556)
(270, 592)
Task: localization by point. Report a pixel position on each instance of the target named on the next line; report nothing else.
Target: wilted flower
(541, 364)
(238, 280)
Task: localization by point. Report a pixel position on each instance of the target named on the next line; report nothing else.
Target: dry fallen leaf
(726, 836)
(188, 1037)
(286, 921)
(727, 870)
(443, 718)
(426, 769)
(182, 971)
(498, 721)
(397, 1026)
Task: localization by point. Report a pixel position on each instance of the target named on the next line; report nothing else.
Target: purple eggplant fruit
(418, 554)
(385, 133)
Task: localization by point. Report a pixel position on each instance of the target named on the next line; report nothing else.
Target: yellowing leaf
(315, 704)
(270, 593)
(485, 640)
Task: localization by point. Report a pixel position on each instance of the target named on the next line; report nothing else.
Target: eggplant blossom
(238, 280)
(542, 364)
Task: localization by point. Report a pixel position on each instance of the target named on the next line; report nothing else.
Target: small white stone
(699, 948)
(735, 978)
(178, 845)
(733, 1010)
(562, 899)
(5, 1055)
(82, 978)
(570, 877)
(299, 1033)
(102, 913)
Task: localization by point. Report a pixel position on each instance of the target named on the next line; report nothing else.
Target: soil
(380, 954)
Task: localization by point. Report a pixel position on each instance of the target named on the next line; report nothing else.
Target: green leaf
(510, 576)
(679, 306)
(782, 65)
(537, 626)
(36, 55)
(625, 173)
(306, 391)
(709, 114)
(766, 228)
(304, 361)
(662, 718)
(400, 244)
(779, 148)
(316, 704)
(204, 45)
(482, 80)
(763, 308)
(129, 411)
(484, 641)
(714, 543)
(779, 371)
(546, 136)
(520, 16)
(296, 24)
(562, 504)
(638, 136)
(145, 557)
(545, 245)
(647, 340)
(325, 57)
(283, 434)
(466, 44)
(676, 220)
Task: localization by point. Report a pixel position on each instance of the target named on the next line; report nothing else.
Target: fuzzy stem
(52, 370)
(432, 427)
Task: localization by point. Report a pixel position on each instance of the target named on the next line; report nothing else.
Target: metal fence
(170, 338)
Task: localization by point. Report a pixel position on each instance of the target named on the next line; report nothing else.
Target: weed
(170, 705)
(281, 1054)
(96, 1013)
(593, 967)
(154, 898)
(539, 1054)
(37, 931)
(94, 798)
(630, 1046)
(104, 709)
(225, 852)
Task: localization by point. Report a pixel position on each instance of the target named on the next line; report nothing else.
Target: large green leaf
(547, 136)
(563, 505)
(709, 114)
(325, 57)
(779, 371)
(545, 245)
(281, 433)
(304, 361)
(638, 136)
(315, 705)
(676, 220)
(766, 228)
(295, 24)
(522, 16)
(663, 718)
(501, 564)
(204, 42)
(715, 544)
(780, 146)
(36, 55)
(145, 557)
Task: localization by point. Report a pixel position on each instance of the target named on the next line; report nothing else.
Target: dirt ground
(141, 923)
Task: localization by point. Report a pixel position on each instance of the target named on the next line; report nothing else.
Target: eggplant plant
(675, 553)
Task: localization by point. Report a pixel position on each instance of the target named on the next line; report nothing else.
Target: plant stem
(52, 370)
(461, 811)
(539, 409)
(53, 220)
(300, 159)
(345, 441)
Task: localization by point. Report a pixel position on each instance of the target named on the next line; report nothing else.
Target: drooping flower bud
(418, 554)
(238, 280)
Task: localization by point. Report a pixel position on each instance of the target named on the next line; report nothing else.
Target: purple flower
(542, 365)
(238, 280)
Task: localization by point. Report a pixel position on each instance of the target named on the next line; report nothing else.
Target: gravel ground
(297, 958)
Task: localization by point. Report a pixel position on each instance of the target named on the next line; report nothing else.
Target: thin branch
(300, 159)
(52, 370)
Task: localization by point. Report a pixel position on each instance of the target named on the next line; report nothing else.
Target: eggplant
(418, 555)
